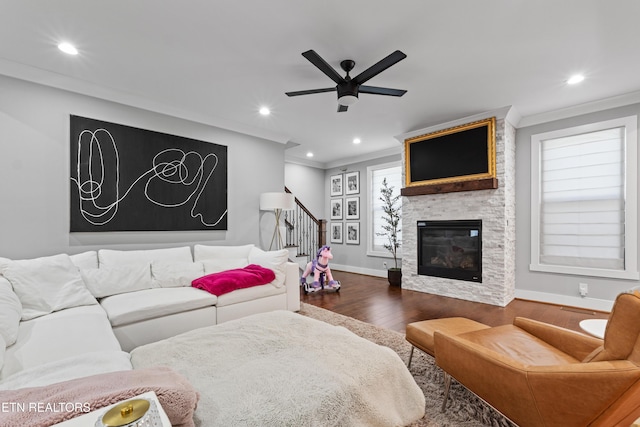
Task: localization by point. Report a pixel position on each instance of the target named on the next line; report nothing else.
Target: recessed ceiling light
(575, 79)
(356, 140)
(265, 111)
(68, 48)
(309, 154)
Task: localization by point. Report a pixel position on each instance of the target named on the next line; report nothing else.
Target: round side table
(595, 327)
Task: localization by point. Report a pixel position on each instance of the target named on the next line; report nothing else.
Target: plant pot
(394, 275)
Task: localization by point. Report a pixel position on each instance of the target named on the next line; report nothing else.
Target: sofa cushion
(10, 312)
(106, 281)
(204, 252)
(87, 259)
(223, 264)
(76, 366)
(59, 335)
(517, 344)
(273, 260)
(151, 303)
(47, 284)
(168, 274)
(115, 258)
(249, 294)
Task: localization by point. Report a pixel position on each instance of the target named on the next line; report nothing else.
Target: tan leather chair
(538, 374)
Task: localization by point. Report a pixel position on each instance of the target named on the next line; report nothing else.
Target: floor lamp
(277, 202)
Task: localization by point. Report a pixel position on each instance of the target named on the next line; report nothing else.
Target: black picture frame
(352, 183)
(353, 233)
(352, 208)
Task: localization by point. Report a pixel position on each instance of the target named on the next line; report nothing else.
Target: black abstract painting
(129, 179)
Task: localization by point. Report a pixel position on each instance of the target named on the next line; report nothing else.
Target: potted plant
(391, 227)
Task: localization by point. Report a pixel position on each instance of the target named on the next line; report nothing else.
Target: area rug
(463, 408)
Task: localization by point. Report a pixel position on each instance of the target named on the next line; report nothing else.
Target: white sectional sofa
(65, 317)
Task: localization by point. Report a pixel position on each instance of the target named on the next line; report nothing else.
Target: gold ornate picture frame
(449, 157)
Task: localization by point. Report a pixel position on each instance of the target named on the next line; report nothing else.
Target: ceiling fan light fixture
(347, 100)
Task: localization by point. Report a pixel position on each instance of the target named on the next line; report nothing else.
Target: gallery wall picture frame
(352, 208)
(353, 233)
(352, 183)
(336, 232)
(336, 208)
(335, 184)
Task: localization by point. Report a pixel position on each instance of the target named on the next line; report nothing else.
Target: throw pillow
(3, 263)
(230, 280)
(47, 284)
(87, 259)
(10, 312)
(273, 260)
(204, 252)
(175, 274)
(106, 281)
(222, 264)
(116, 258)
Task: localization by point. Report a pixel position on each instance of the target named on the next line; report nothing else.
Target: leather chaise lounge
(538, 374)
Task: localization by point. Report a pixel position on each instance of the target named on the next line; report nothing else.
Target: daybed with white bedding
(284, 369)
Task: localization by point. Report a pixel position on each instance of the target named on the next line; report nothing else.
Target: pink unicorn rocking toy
(322, 278)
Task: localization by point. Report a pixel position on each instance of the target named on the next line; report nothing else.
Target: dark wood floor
(372, 300)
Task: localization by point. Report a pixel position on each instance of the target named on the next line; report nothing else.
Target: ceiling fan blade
(382, 91)
(342, 108)
(379, 67)
(323, 66)
(310, 91)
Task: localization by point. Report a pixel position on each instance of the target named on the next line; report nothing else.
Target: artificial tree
(391, 217)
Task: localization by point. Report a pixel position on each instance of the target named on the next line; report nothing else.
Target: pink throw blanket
(230, 280)
(54, 403)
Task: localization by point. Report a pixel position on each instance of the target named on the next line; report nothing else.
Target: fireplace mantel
(451, 187)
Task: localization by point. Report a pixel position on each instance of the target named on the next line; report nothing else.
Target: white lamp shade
(270, 201)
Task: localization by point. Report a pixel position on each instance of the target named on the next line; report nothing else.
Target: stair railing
(304, 230)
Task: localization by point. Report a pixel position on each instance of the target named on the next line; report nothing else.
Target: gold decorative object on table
(132, 413)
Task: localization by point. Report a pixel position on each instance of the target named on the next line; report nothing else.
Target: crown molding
(83, 87)
(578, 110)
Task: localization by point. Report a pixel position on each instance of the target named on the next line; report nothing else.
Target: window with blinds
(393, 174)
(583, 220)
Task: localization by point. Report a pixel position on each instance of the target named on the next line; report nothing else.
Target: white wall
(549, 287)
(35, 185)
(354, 258)
(307, 184)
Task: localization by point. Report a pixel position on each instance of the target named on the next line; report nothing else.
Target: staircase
(305, 234)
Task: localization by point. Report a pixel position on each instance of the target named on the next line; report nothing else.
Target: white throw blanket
(284, 369)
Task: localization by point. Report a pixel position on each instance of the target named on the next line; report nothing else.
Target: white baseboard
(588, 303)
(359, 270)
(565, 300)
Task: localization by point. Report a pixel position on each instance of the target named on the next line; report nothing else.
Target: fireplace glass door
(450, 249)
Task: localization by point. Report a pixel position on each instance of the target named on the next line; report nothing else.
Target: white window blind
(582, 200)
(393, 174)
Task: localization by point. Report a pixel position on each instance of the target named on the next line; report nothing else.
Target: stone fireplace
(493, 280)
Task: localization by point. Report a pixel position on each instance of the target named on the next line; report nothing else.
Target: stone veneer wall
(496, 209)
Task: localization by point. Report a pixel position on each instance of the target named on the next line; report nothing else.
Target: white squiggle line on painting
(90, 189)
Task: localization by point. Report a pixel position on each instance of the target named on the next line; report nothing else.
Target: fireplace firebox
(450, 249)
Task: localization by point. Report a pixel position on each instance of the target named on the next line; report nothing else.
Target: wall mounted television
(460, 158)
